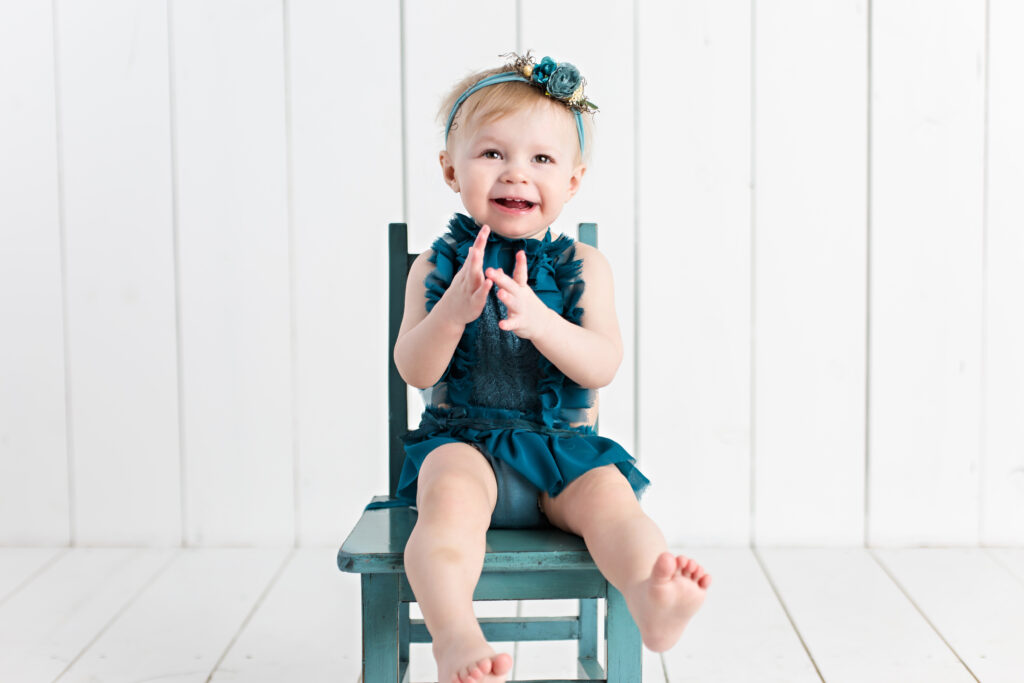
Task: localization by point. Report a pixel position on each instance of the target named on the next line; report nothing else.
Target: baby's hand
(465, 297)
(528, 316)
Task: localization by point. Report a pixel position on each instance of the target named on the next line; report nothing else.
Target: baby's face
(516, 173)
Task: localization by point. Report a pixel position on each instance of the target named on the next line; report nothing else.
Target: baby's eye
(544, 159)
(491, 154)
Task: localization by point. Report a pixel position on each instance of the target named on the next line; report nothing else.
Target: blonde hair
(494, 101)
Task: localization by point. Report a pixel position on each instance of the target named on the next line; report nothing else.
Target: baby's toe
(686, 566)
(502, 664)
(483, 666)
(664, 567)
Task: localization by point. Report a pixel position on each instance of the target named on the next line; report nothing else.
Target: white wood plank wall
(812, 211)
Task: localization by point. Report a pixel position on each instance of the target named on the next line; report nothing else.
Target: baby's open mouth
(512, 203)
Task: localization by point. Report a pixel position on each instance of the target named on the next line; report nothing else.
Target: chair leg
(380, 628)
(587, 645)
(625, 658)
(403, 639)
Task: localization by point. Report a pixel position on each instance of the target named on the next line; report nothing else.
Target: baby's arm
(426, 342)
(588, 354)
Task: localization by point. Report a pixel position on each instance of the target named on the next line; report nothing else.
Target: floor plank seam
(892, 577)
(255, 608)
(34, 575)
(785, 610)
(664, 666)
(118, 614)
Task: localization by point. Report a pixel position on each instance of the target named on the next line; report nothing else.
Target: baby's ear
(575, 179)
(448, 170)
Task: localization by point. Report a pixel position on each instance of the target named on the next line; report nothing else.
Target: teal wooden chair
(518, 564)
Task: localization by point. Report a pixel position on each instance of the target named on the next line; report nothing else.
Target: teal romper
(501, 396)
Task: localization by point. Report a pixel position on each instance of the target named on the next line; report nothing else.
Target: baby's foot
(664, 603)
(467, 658)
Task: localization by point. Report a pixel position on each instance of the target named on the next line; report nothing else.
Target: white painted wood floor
(196, 615)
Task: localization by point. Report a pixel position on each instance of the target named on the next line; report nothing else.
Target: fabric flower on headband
(561, 81)
(542, 72)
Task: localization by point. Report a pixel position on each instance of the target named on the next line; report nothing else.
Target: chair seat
(377, 545)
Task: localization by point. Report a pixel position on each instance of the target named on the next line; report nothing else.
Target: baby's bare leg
(662, 591)
(444, 556)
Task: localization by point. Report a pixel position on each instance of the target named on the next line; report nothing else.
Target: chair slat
(398, 404)
(588, 234)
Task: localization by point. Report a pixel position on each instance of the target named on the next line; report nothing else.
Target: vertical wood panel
(120, 271)
(234, 253)
(606, 195)
(33, 434)
(810, 244)
(928, 66)
(694, 273)
(347, 184)
(444, 43)
(1002, 493)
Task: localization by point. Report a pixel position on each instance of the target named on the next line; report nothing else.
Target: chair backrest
(399, 262)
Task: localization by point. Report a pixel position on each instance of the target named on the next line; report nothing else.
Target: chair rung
(543, 585)
(510, 629)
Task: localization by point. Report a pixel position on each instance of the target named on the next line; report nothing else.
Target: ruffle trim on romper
(554, 276)
(549, 459)
(546, 449)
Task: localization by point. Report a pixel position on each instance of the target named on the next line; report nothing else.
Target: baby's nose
(513, 174)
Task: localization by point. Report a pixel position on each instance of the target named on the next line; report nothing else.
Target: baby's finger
(481, 238)
(475, 262)
(484, 287)
(507, 298)
(500, 279)
(475, 257)
(520, 272)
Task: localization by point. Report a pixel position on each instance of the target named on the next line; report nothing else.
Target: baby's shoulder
(421, 266)
(584, 250)
(593, 262)
(423, 257)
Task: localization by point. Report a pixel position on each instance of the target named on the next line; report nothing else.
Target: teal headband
(559, 81)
